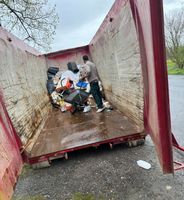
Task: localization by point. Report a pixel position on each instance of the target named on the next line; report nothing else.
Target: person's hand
(82, 79)
(58, 90)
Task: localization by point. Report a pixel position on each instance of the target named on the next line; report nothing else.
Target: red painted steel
(67, 52)
(178, 165)
(114, 11)
(148, 16)
(16, 42)
(175, 144)
(10, 158)
(118, 140)
(61, 58)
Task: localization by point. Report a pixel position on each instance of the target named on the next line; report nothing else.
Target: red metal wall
(149, 25)
(148, 16)
(16, 42)
(115, 50)
(10, 158)
(61, 58)
(22, 81)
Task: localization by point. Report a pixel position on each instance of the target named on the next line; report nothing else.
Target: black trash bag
(50, 86)
(77, 97)
(50, 76)
(72, 66)
(52, 70)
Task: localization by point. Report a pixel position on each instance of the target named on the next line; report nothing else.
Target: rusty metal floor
(65, 131)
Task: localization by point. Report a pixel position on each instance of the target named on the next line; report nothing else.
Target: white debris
(144, 164)
(168, 187)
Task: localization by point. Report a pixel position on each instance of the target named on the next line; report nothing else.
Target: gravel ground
(104, 174)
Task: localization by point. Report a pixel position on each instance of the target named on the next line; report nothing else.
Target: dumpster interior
(24, 76)
(63, 131)
(36, 129)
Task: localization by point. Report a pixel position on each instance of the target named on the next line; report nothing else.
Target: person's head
(85, 58)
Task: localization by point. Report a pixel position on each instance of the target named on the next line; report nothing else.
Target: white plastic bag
(144, 164)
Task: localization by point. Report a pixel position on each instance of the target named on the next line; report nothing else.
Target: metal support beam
(178, 165)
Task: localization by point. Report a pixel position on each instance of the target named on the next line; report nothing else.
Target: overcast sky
(80, 19)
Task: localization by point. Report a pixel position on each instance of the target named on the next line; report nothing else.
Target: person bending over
(90, 72)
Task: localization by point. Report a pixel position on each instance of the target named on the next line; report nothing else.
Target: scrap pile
(68, 92)
(65, 90)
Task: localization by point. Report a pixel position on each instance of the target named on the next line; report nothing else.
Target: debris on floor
(143, 164)
(77, 90)
(168, 187)
(62, 85)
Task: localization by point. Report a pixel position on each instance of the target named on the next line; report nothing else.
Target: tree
(175, 36)
(31, 20)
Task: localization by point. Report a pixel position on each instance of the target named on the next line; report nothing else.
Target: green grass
(37, 197)
(79, 196)
(26, 170)
(173, 70)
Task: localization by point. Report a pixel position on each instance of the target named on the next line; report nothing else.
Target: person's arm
(85, 72)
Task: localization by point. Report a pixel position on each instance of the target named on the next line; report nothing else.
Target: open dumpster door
(10, 158)
(148, 17)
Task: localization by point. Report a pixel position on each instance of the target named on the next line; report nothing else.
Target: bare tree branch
(34, 21)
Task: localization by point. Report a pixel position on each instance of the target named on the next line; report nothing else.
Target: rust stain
(63, 130)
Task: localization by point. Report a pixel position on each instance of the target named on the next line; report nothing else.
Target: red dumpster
(129, 52)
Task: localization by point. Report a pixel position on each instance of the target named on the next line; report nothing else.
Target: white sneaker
(87, 109)
(100, 110)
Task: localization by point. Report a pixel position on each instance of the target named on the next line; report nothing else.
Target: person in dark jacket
(90, 72)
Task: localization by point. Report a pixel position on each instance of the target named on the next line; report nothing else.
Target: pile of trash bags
(51, 73)
(67, 91)
(61, 84)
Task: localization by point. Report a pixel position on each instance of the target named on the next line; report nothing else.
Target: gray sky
(172, 4)
(80, 19)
